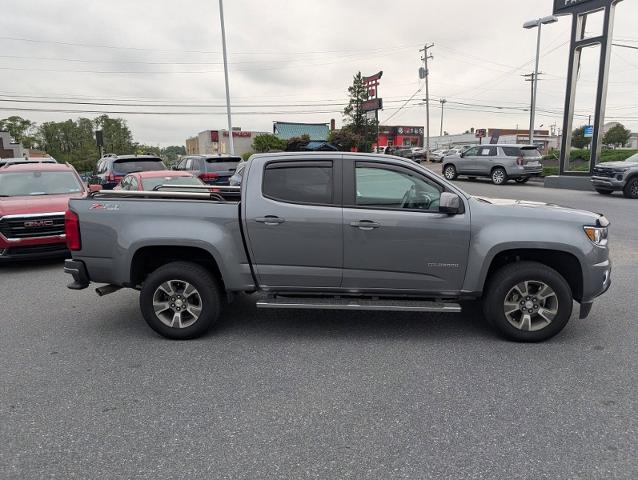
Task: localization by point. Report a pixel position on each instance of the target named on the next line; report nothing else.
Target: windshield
(122, 167)
(149, 184)
(633, 158)
(20, 184)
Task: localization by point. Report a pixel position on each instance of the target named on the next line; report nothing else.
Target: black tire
(604, 192)
(522, 180)
(208, 300)
(631, 189)
(449, 172)
(505, 280)
(499, 176)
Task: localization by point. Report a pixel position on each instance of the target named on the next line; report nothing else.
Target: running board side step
(358, 304)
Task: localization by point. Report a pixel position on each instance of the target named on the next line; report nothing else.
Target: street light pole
(529, 25)
(443, 102)
(231, 142)
(535, 87)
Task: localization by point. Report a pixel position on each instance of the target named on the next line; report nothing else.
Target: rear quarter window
(511, 151)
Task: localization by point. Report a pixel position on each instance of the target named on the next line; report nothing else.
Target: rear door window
(303, 182)
(122, 167)
(487, 152)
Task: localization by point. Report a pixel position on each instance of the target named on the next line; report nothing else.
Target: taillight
(72, 230)
(208, 176)
(520, 161)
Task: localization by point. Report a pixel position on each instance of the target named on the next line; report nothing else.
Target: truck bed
(116, 227)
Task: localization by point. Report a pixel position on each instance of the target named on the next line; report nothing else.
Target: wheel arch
(149, 258)
(565, 263)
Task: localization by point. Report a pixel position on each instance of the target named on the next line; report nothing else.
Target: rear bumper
(77, 270)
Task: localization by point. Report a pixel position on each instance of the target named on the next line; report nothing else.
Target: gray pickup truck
(340, 231)
(612, 177)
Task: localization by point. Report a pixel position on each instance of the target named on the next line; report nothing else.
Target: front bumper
(77, 270)
(32, 252)
(608, 183)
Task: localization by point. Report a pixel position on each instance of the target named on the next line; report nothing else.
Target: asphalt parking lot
(89, 391)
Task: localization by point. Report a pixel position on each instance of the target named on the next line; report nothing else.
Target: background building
(212, 142)
(542, 138)
(8, 148)
(288, 130)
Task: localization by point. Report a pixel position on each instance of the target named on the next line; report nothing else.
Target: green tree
(578, 138)
(355, 119)
(268, 142)
(617, 136)
(117, 136)
(171, 153)
(70, 141)
(344, 138)
(20, 129)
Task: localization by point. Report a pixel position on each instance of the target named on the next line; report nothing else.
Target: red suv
(33, 199)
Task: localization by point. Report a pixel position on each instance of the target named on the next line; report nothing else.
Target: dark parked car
(111, 169)
(211, 169)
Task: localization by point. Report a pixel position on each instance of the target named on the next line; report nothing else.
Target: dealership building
(215, 142)
(543, 138)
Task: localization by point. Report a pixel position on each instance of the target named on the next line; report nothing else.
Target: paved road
(88, 391)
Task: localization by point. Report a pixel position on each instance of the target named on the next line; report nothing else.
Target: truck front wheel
(180, 300)
(528, 301)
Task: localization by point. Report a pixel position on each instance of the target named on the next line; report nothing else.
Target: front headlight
(621, 169)
(598, 235)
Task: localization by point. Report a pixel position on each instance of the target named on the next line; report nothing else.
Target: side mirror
(95, 188)
(450, 203)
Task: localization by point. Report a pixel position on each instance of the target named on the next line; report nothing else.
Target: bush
(246, 156)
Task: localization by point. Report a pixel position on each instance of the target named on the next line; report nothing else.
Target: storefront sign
(563, 7)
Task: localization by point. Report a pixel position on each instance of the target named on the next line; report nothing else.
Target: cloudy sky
(293, 60)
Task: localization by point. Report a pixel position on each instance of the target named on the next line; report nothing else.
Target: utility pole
(426, 57)
(443, 102)
(533, 78)
(231, 142)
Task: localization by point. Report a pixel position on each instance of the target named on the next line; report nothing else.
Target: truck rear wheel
(180, 300)
(528, 302)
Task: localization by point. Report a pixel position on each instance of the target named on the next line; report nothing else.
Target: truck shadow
(19, 266)
(243, 318)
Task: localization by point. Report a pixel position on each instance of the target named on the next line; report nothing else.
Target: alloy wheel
(498, 176)
(530, 306)
(177, 304)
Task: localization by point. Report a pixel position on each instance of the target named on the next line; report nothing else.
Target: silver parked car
(498, 162)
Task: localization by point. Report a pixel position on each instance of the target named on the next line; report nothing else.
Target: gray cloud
(276, 55)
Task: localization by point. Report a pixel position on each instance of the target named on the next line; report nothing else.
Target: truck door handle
(270, 220)
(366, 225)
